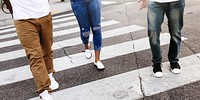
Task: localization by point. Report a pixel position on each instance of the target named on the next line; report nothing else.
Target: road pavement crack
(141, 86)
(136, 58)
(137, 63)
(65, 52)
(139, 76)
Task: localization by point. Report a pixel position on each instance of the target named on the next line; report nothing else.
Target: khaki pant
(35, 36)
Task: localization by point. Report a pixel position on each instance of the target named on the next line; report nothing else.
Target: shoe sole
(99, 68)
(89, 57)
(176, 72)
(157, 76)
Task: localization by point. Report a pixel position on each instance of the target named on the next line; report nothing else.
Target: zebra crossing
(129, 85)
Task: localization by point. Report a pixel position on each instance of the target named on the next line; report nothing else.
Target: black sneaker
(157, 71)
(175, 68)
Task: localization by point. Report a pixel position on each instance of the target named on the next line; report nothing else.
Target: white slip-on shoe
(88, 53)
(54, 85)
(45, 95)
(99, 65)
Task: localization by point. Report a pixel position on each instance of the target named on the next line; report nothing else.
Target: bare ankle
(87, 46)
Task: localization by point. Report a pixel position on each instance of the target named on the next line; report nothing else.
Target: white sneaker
(176, 71)
(45, 95)
(157, 70)
(175, 68)
(99, 65)
(158, 74)
(54, 85)
(88, 53)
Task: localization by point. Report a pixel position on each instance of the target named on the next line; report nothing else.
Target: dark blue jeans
(174, 12)
(88, 15)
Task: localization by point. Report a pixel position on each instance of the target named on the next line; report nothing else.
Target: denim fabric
(155, 16)
(88, 15)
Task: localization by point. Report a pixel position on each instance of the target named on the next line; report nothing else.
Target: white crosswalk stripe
(107, 2)
(57, 33)
(64, 15)
(64, 63)
(54, 21)
(71, 42)
(126, 85)
(55, 26)
(5, 27)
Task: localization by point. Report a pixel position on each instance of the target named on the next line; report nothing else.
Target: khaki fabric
(36, 37)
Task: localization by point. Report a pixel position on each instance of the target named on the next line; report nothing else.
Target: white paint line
(189, 74)
(74, 30)
(64, 15)
(71, 42)
(3, 27)
(54, 21)
(120, 87)
(57, 33)
(126, 86)
(7, 30)
(8, 35)
(128, 3)
(65, 24)
(64, 19)
(107, 2)
(9, 43)
(67, 19)
(107, 34)
(64, 63)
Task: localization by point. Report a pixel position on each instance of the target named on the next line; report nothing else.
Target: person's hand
(144, 4)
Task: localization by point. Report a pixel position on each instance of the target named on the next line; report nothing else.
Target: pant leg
(80, 10)
(30, 39)
(94, 9)
(46, 40)
(155, 17)
(175, 23)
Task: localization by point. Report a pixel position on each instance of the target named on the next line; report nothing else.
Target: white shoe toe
(158, 74)
(176, 71)
(99, 65)
(88, 53)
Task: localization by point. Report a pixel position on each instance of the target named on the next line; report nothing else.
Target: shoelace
(175, 65)
(157, 67)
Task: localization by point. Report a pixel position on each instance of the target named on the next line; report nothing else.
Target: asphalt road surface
(126, 55)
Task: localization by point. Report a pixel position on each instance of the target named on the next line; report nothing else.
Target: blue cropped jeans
(88, 15)
(155, 16)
